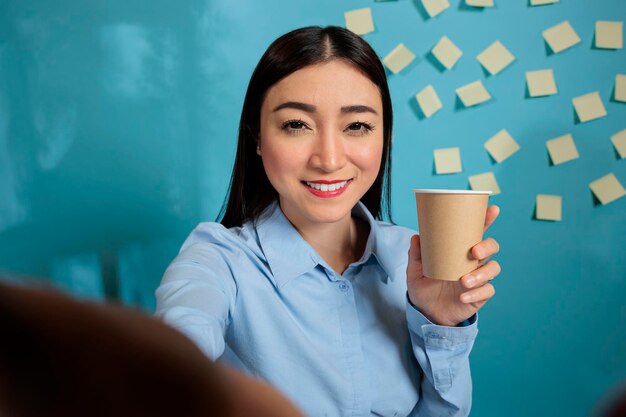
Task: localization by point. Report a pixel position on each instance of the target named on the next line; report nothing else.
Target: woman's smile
(327, 189)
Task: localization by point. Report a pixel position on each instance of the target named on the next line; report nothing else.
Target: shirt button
(344, 287)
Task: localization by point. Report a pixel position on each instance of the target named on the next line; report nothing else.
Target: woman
(300, 284)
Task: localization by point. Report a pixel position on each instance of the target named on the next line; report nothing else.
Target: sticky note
(609, 35)
(501, 146)
(434, 7)
(448, 160)
(542, 2)
(561, 37)
(473, 93)
(428, 101)
(607, 188)
(479, 3)
(549, 207)
(360, 21)
(620, 88)
(541, 83)
(562, 149)
(484, 182)
(398, 58)
(619, 141)
(495, 58)
(446, 52)
(589, 107)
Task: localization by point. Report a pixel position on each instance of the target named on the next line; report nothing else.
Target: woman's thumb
(414, 249)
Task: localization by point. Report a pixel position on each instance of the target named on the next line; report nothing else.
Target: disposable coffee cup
(450, 222)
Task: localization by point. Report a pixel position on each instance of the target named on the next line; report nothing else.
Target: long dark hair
(250, 191)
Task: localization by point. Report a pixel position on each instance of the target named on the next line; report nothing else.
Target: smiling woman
(280, 72)
(334, 151)
(302, 284)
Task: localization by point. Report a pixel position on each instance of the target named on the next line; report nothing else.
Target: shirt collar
(287, 253)
(290, 256)
(377, 244)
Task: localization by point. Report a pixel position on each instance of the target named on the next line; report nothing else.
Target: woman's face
(321, 141)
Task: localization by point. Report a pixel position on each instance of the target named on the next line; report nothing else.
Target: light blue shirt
(259, 298)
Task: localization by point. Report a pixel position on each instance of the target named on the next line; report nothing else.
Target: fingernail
(466, 298)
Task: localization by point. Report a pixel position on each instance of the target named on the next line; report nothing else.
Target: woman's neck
(340, 243)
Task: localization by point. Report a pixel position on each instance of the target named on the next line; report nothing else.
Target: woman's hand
(449, 303)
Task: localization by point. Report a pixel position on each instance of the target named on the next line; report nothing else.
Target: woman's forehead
(331, 83)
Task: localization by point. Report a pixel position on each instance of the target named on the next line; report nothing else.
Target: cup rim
(442, 191)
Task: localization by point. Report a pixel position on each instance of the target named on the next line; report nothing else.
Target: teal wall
(118, 123)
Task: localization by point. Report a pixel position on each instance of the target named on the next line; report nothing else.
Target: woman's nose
(329, 153)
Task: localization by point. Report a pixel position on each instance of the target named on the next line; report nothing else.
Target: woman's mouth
(327, 189)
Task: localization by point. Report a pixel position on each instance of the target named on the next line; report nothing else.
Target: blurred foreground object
(62, 357)
(613, 404)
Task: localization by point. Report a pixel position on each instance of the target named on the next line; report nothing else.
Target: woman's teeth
(327, 187)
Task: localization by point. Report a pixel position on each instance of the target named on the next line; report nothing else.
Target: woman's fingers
(478, 295)
(485, 249)
(481, 276)
(491, 216)
(477, 282)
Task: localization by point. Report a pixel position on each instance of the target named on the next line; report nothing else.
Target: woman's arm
(197, 292)
(443, 354)
(442, 322)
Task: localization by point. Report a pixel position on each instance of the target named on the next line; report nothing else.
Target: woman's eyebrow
(359, 108)
(309, 108)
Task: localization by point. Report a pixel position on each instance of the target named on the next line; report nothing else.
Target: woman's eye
(294, 125)
(359, 128)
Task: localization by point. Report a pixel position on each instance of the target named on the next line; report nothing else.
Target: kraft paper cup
(451, 222)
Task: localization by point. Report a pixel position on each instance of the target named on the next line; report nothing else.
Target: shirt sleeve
(443, 354)
(196, 295)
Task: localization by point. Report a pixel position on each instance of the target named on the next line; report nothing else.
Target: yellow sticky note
(501, 146)
(549, 207)
(360, 21)
(609, 35)
(542, 2)
(473, 93)
(619, 141)
(562, 149)
(495, 58)
(448, 160)
(561, 37)
(620, 88)
(398, 58)
(434, 7)
(607, 189)
(541, 83)
(484, 182)
(589, 107)
(428, 100)
(446, 52)
(479, 3)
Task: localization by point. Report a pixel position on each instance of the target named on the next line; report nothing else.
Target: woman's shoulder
(214, 232)
(227, 243)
